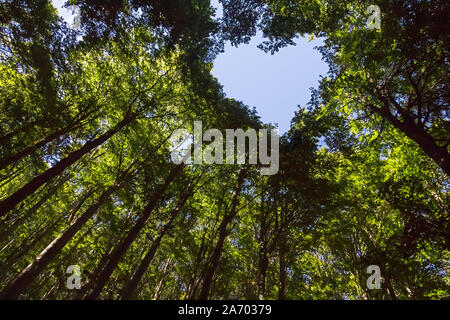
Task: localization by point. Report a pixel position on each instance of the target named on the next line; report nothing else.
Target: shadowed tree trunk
(6, 233)
(24, 279)
(161, 282)
(91, 276)
(27, 246)
(121, 249)
(130, 287)
(282, 258)
(22, 129)
(4, 163)
(28, 189)
(390, 288)
(193, 282)
(223, 233)
(282, 275)
(263, 260)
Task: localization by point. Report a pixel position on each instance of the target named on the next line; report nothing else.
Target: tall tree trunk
(20, 220)
(282, 270)
(130, 287)
(390, 289)
(28, 189)
(215, 259)
(24, 279)
(4, 163)
(89, 283)
(121, 249)
(26, 246)
(193, 284)
(263, 261)
(161, 282)
(263, 264)
(22, 129)
(223, 233)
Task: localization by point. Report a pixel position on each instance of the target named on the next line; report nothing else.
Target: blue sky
(274, 84)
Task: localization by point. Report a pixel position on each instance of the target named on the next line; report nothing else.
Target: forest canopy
(87, 182)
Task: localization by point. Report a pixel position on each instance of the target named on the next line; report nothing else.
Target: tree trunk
(161, 282)
(428, 145)
(390, 289)
(223, 233)
(24, 279)
(209, 274)
(282, 271)
(25, 247)
(4, 163)
(89, 283)
(263, 264)
(121, 249)
(28, 189)
(25, 128)
(131, 286)
(263, 261)
(193, 283)
(6, 233)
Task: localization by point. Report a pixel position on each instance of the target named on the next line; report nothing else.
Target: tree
(86, 176)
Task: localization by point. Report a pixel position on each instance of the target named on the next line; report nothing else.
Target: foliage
(86, 177)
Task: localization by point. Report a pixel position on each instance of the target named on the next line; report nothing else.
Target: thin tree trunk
(5, 234)
(15, 132)
(282, 279)
(223, 233)
(211, 269)
(204, 248)
(49, 292)
(263, 261)
(121, 249)
(161, 282)
(4, 163)
(25, 247)
(131, 286)
(390, 288)
(263, 264)
(193, 284)
(282, 268)
(28, 189)
(91, 277)
(24, 279)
